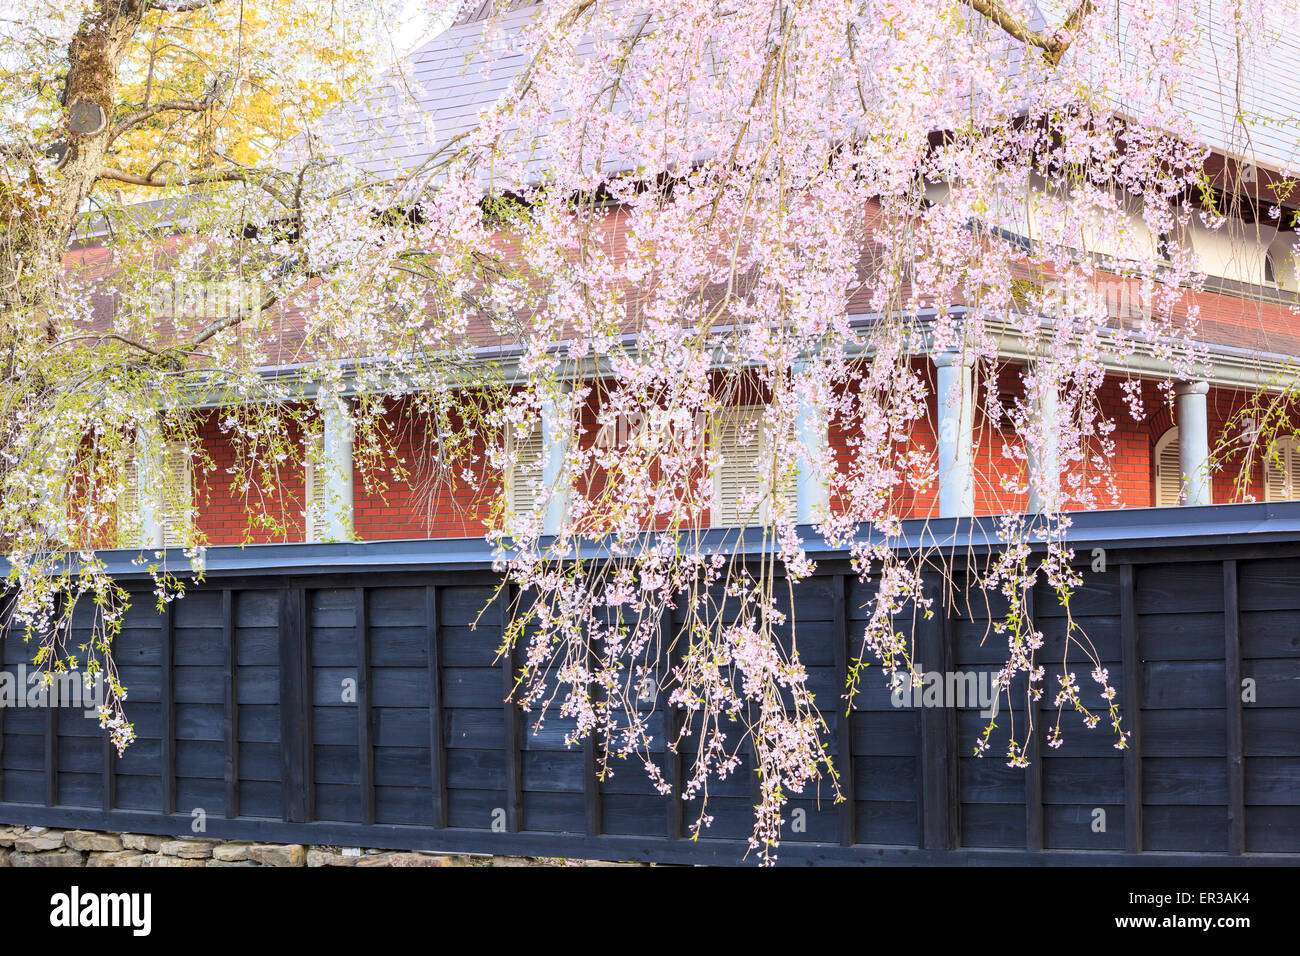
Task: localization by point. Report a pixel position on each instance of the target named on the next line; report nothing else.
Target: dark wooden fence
(339, 694)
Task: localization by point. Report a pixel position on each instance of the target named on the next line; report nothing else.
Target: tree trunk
(36, 232)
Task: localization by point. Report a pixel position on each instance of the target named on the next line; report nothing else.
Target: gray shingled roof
(1264, 126)
(442, 89)
(438, 93)
(476, 11)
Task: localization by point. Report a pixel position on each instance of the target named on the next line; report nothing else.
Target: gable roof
(1241, 106)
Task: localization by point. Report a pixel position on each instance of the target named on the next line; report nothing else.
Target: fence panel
(368, 709)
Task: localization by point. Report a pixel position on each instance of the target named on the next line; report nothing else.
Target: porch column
(557, 431)
(151, 484)
(812, 492)
(54, 510)
(1193, 442)
(1045, 448)
(956, 428)
(336, 486)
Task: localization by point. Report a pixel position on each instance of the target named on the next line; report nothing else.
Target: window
(315, 489)
(524, 476)
(1165, 246)
(55, 526)
(744, 469)
(178, 494)
(1003, 405)
(174, 497)
(1169, 470)
(1282, 470)
(1280, 262)
(128, 508)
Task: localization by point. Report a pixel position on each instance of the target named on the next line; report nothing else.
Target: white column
(812, 492)
(336, 480)
(151, 484)
(54, 501)
(1193, 441)
(557, 429)
(956, 427)
(1045, 448)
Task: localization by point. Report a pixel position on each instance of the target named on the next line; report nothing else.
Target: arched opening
(1282, 470)
(1168, 468)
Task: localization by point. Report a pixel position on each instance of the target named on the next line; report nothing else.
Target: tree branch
(190, 106)
(132, 179)
(181, 6)
(174, 355)
(227, 322)
(240, 174)
(1053, 45)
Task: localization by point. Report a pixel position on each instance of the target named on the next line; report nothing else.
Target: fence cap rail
(1147, 528)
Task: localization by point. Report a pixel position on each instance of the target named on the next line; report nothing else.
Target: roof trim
(1172, 530)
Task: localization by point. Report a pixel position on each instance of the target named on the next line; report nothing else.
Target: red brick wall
(406, 498)
(273, 498)
(911, 498)
(399, 497)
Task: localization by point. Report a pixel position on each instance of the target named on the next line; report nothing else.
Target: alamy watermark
(211, 299)
(28, 687)
(75, 908)
(949, 689)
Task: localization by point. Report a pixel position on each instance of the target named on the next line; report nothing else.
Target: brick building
(1246, 316)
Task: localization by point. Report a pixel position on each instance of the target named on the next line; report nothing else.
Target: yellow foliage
(266, 66)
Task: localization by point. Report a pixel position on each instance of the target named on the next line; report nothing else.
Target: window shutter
(1169, 470)
(525, 472)
(1292, 459)
(178, 492)
(315, 489)
(1282, 471)
(786, 498)
(128, 508)
(735, 471)
(738, 441)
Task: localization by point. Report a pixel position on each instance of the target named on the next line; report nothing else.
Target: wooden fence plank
(1232, 673)
(6, 610)
(230, 715)
(937, 797)
(295, 736)
(437, 742)
(844, 710)
(1034, 753)
(51, 750)
(167, 704)
(365, 717)
(671, 726)
(3, 637)
(51, 744)
(513, 750)
(1132, 711)
(590, 783)
(108, 781)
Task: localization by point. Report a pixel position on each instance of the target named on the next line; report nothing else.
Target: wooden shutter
(1169, 470)
(786, 497)
(745, 470)
(178, 494)
(315, 491)
(737, 441)
(525, 473)
(128, 508)
(1282, 470)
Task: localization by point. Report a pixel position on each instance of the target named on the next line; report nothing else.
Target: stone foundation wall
(43, 846)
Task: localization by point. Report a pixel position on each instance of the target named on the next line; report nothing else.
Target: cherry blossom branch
(140, 116)
(1053, 45)
(182, 6)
